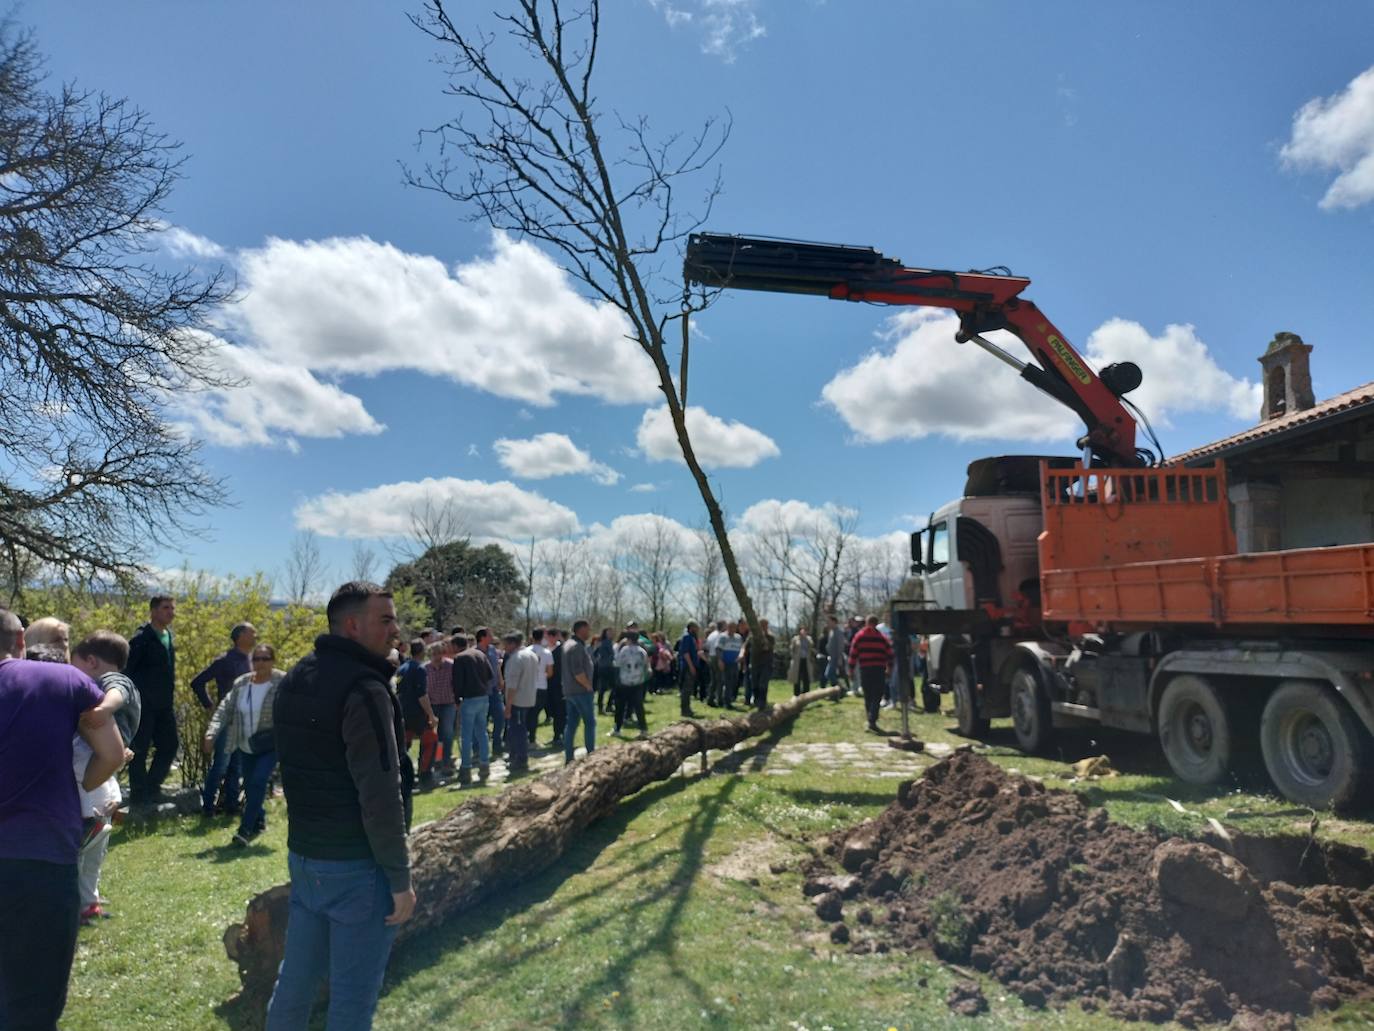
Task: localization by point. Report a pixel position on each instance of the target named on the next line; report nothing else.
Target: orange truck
(1106, 589)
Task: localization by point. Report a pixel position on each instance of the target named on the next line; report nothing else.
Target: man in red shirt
(871, 653)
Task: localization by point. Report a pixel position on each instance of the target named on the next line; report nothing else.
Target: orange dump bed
(1131, 549)
(1327, 587)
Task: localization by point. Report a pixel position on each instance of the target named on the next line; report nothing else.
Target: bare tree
(650, 560)
(559, 559)
(531, 136)
(528, 564)
(364, 562)
(874, 572)
(94, 336)
(803, 557)
(708, 574)
(304, 568)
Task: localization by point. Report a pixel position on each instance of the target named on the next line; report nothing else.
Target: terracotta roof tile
(1356, 398)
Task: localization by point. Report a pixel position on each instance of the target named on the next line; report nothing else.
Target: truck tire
(1030, 712)
(1195, 730)
(970, 721)
(1316, 753)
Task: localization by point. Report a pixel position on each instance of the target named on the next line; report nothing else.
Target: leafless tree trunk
(527, 565)
(304, 568)
(532, 140)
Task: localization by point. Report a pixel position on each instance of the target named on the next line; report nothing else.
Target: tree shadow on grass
(658, 939)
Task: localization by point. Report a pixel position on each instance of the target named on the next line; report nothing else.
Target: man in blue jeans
(224, 766)
(496, 705)
(340, 734)
(578, 690)
(471, 675)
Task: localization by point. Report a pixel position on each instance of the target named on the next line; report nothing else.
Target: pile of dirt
(1041, 891)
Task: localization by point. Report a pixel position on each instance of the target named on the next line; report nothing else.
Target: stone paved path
(873, 758)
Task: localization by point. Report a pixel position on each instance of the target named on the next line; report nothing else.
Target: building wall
(1298, 498)
(1317, 513)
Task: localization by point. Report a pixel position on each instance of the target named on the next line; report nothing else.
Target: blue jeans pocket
(350, 897)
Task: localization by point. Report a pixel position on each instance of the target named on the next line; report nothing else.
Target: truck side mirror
(918, 564)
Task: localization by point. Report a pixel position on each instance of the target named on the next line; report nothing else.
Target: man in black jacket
(340, 737)
(152, 667)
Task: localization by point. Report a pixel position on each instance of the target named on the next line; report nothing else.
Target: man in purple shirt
(42, 705)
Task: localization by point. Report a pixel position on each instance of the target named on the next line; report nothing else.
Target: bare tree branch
(526, 155)
(93, 333)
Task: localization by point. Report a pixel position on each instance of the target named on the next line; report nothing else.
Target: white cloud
(726, 26)
(509, 323)
(484, 510)
(1336, 133)
(644, 488)
(550, 454)
(718, 444)
(182, 243)
(269, 403)
(927, 384)
(1181, 374)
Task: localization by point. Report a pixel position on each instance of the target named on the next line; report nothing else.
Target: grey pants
(88, 862)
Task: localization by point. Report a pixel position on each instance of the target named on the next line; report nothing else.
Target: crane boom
(984, 301)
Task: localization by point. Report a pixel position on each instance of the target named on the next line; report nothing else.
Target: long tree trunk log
(490, 843)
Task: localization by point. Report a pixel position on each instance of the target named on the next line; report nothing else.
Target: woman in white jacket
(247, 713)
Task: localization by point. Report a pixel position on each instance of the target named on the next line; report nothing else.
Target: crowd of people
(338, 729)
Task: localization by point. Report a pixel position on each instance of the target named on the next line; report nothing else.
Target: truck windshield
(939, 545)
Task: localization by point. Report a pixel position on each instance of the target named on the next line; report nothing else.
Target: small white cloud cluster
(717, 443)
(726, 26)
(550, 454)
(1336, 133)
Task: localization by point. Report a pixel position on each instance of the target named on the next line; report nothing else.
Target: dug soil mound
(1042, 892)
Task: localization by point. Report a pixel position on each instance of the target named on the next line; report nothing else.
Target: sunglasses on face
(262, 658)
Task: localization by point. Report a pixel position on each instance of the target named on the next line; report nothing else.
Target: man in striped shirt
(871, 653)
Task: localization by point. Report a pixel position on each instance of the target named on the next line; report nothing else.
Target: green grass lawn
(665, 915)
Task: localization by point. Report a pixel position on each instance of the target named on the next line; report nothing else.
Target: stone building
(1304, 476)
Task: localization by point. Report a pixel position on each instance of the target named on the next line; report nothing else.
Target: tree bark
(491, 843)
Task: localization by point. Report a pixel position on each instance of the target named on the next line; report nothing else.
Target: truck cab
(978, 556)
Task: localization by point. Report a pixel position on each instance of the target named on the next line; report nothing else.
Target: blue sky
(1140, 162)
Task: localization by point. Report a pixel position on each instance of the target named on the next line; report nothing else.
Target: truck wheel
(1195, 730)
(1315, 751)
(1030, 712)
(966, 715)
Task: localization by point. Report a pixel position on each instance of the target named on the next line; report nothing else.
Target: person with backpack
(632, 670)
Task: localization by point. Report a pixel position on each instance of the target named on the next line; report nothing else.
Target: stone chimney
(1287, 377)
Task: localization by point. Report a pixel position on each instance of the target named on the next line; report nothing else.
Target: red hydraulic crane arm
(985, 302)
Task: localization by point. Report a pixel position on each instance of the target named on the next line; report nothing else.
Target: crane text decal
(1070, 360)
